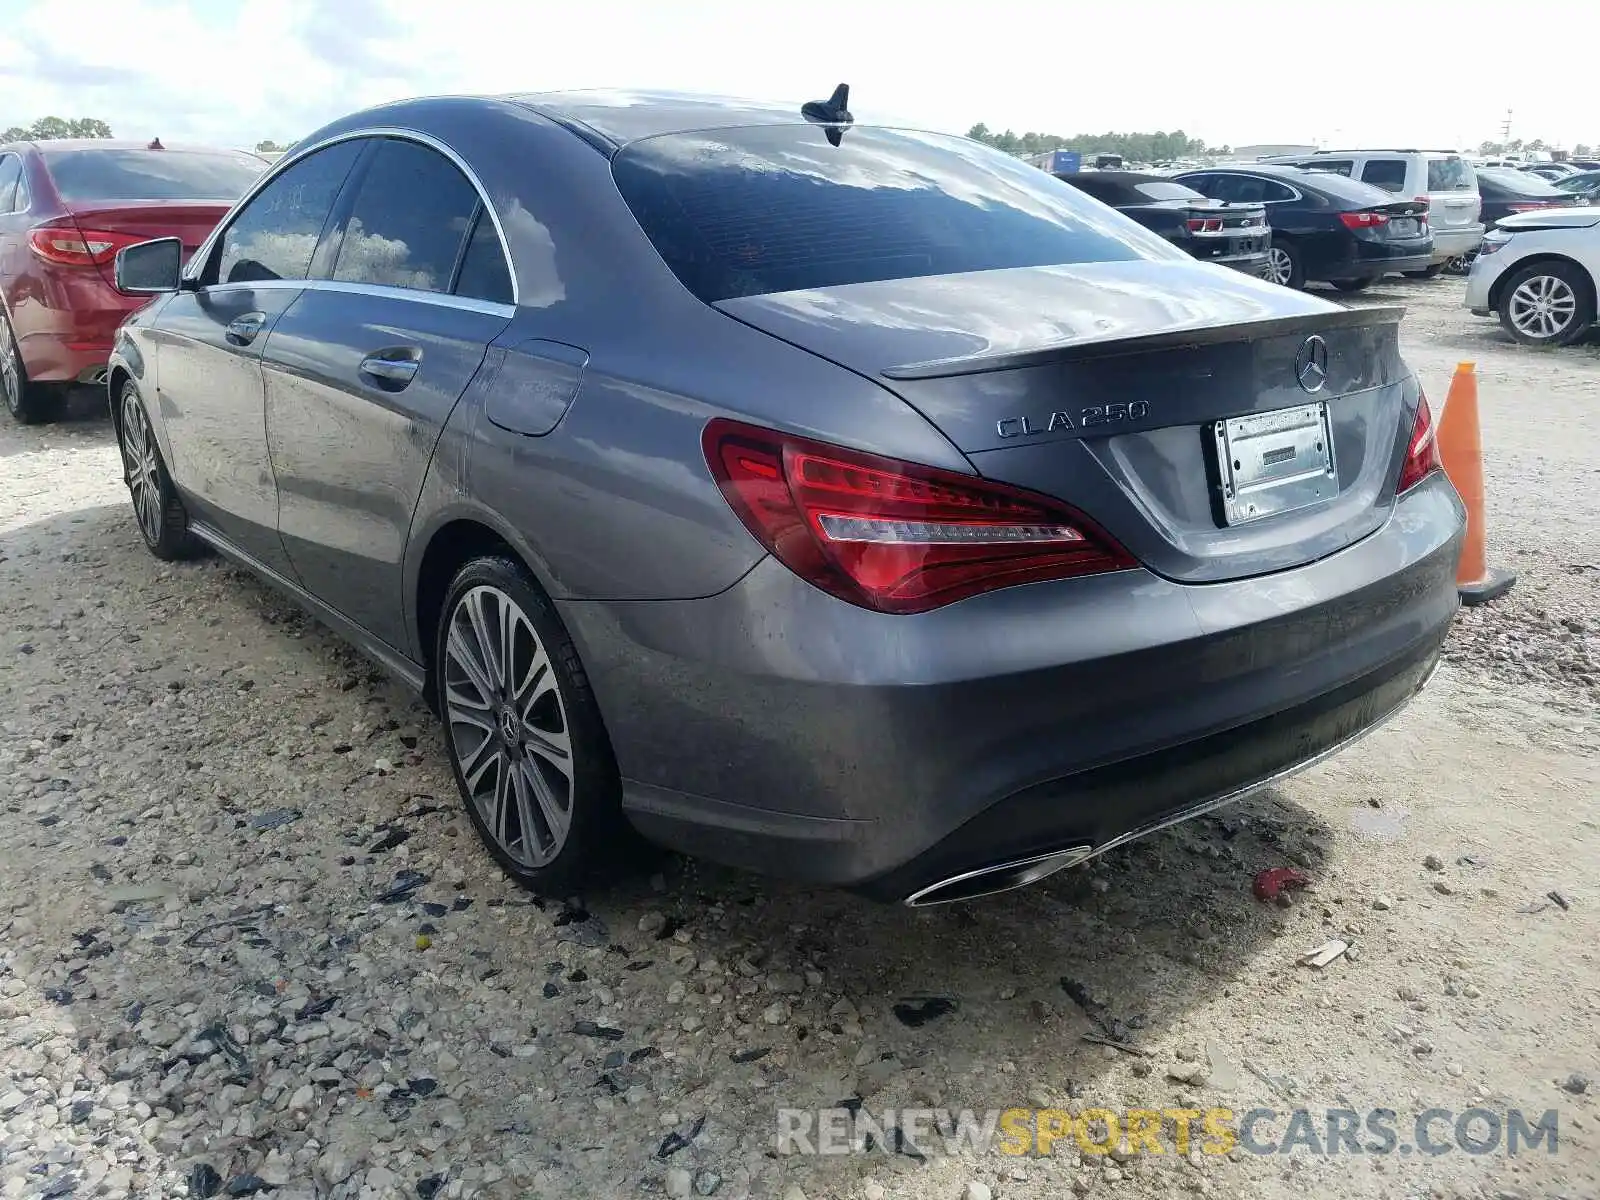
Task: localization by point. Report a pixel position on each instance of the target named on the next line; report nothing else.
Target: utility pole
(1505, 129)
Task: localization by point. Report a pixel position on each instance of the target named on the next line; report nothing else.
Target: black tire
(596, 839)
(1432, 271)
(28, 403)
(1353, 285)
(1568, 288)
(1284, 266)
(157, 510)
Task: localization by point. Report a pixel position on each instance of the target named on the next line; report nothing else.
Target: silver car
(858, 505)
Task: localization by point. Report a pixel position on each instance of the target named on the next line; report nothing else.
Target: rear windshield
(1345, 191)
(1161, 190)
(1449, 175)
(151, 174)
(1523, 183)
(747, 212)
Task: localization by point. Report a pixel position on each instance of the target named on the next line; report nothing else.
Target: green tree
(46, 128)
(1581, 150)
(1159, 146)
(269, 147)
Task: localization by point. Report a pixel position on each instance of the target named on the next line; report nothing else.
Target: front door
(365, 368)
(210, 394)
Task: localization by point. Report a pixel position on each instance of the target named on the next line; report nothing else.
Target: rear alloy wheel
(527, 746)
(1547, 304)
(1432, 271)
(162, 520)
(1353, 285)
(1283, 267)
(28, 403)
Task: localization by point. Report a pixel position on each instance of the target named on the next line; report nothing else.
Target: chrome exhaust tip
(1005, 877)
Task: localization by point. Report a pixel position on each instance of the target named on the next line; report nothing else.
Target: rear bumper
(1250, 264)
(66, 334)
(774, 728)
(1453, 243)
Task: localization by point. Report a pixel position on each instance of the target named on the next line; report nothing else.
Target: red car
(66, 208)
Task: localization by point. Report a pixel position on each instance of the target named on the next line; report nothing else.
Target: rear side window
(484, 274)
(10, 174)
(1387, 173)
(1449, 175)
(88, 175)
(751, 211)
(409, 220)
(276, 233)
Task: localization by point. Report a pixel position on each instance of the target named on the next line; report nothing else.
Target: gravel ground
(249, 946)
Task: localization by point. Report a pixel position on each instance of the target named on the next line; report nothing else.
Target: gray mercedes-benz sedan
(857, 505)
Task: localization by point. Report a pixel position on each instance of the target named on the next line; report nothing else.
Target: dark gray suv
(854, 504)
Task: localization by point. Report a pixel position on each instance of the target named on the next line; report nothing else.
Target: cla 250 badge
(1095, 414)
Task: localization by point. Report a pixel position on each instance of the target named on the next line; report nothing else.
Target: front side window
(1387, 173)
(410, 216)
(275, 234)
(746, 212)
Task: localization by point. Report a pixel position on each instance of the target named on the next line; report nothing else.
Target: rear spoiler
(1167, 339)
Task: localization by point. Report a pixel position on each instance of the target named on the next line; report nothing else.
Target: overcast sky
(1242, 71)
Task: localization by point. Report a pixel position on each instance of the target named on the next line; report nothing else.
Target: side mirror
(149, 268)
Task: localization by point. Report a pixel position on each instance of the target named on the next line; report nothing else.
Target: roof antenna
(155, 144)
(832, 112)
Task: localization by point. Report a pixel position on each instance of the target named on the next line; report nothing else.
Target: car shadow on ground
(786, 997)
(84, 421)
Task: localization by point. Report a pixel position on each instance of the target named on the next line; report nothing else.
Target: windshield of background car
(1450, 174)
(747, 212)
(82, 175)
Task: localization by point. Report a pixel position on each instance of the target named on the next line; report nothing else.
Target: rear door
(365, 367)
(209, 400)
(1386, 171)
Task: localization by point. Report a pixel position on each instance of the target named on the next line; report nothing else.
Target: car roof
(618, 117)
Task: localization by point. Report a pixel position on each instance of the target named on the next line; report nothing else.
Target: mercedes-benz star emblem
(1311, 364)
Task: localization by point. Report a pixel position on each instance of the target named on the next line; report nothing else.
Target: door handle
(392, 369)
(241, 331)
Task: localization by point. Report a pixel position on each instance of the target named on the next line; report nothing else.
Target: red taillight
(64, 244)
(1205, 224)
(1422, 452)
(892, 536)
(1530, 206)
(1363, 220)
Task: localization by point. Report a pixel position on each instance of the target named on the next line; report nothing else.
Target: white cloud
(1247, 72)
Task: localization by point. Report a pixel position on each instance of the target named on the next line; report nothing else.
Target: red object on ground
(1268, 883)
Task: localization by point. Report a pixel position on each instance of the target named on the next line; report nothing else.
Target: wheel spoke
(554, 747)
(460, 651)
(557, 818)
(494, 672)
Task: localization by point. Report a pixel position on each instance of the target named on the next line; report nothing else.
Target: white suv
(1443, 178)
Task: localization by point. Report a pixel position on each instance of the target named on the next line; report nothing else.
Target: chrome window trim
(196, 263)
(381, 290)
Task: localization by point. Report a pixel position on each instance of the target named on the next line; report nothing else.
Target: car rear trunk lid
(134, 221)
(1117, 387)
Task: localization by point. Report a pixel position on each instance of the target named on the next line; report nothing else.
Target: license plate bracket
(1274, 462)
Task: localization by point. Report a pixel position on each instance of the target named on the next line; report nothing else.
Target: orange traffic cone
(1461, 449)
